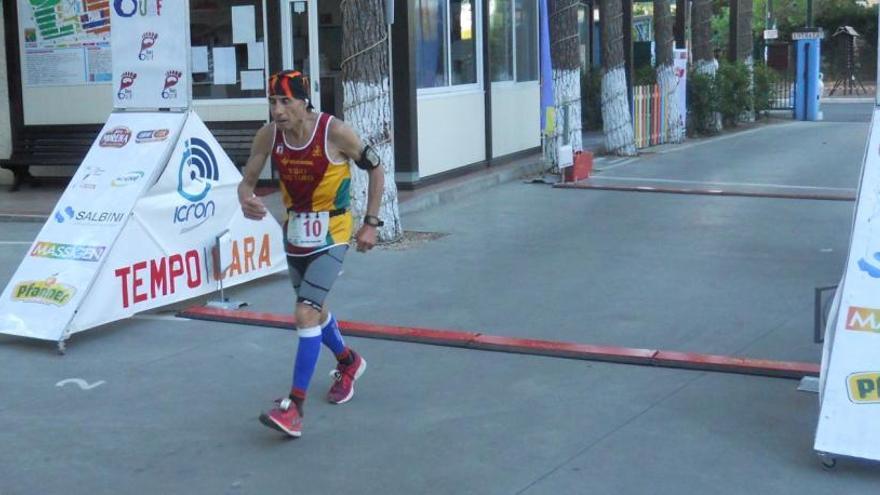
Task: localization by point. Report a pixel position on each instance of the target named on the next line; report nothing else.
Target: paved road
(177, 410)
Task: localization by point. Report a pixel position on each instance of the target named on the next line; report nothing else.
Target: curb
(567, 350)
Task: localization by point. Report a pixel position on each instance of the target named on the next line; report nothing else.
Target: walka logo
(47, 291)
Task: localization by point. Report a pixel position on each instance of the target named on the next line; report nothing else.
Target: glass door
(299, 36)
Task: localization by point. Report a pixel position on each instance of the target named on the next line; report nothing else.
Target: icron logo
(864, 388)
(198, 171)
(863, 319)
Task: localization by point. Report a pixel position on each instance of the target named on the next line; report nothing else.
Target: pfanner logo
(116, 137)
(127, 179)
(126, 81)
(67, 251)
(152, 136)
(88, 217)
(48, 291)
(863, 319)
(172, 77)
(864, 388)
(143, 8)
(198, 171)
(148, 39)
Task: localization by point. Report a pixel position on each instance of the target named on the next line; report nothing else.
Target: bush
(765, 87)
(702, 103)
(734, 94)
(591, 99)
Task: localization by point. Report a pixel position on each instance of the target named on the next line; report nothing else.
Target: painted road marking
(82, 384)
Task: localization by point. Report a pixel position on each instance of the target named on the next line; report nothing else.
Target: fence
(648, 110)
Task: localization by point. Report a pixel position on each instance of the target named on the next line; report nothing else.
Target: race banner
(167, 252)
(55, 275)
(150, 41)
(850, 392)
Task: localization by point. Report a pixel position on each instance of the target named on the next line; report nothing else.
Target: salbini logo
(48, 291)
(863, 319)
(88, 217)
(67, 251)
(127, 179)
(864, 387)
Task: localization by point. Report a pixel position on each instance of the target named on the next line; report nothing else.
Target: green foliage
(734, 94)
(702, 103)
(591, 99)
(645, 75)
(764, 90)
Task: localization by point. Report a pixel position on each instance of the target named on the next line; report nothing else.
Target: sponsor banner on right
(850, 399)
(60, 266)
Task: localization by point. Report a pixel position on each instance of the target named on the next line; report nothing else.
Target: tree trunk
(566, 76)
(743, 44)
(367, 103)
(666, 79)
(704, 58)
(617, 120)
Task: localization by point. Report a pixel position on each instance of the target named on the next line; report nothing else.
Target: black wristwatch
(373, 221)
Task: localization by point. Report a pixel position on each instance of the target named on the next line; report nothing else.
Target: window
(526, 40)
(501, 39)
(513, 38)
(224, 67)
(446, 36)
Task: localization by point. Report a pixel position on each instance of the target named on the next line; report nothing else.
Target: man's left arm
(347, 141)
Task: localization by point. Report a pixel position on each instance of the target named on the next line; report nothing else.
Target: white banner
(679, 66)
(150, 41)
(54, 277)
(850, 400)
(166, 253)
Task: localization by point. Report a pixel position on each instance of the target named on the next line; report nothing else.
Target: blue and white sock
(306, 359)
(331, 337)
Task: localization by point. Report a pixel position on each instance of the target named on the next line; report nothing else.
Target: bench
(66, 146)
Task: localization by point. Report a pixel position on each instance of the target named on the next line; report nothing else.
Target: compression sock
(306, 359)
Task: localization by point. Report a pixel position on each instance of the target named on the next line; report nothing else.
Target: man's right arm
(251, 205)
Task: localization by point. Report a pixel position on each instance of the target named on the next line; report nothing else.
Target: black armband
(369, 159)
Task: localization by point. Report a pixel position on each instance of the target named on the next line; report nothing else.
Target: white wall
(451, 131)
(516, 117)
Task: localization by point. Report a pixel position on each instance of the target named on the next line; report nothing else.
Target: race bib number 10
(308, 230)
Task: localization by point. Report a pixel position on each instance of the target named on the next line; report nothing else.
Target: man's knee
(307, 315)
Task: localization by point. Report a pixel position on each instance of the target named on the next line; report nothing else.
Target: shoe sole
(357, 374)
(271, 423)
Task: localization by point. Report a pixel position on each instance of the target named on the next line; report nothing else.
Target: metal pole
(809, 13)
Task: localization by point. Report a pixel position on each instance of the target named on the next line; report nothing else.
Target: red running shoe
(284, 417)
(344, 377)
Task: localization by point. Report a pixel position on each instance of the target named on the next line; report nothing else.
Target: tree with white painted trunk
(566, 76)
(664, 44)
(704, 58)
(616, 117)
(367, 103)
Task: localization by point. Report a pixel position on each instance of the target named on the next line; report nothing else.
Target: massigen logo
(198, 171)
(48, 291)
(864, 388)
(67, 251)
(863, 319)
(127, 179)
(116, 137)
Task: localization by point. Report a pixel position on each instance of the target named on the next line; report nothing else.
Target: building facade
(464, 72)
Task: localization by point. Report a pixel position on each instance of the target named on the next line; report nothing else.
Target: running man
(311, 151)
